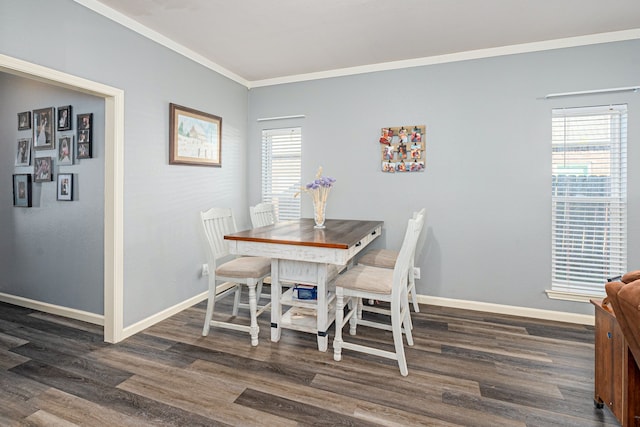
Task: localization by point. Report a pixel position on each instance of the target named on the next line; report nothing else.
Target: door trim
(113, 185)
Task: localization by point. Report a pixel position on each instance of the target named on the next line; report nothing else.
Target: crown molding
(147, 32)
(135, 26)
(456, 57)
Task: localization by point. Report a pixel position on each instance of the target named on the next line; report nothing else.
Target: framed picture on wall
(64, 117)
(22, 190)
(85, 125)
(23, 153)
(43, 169)
(43, 129)
(194, 137)
(24, 120)
(65, 187)
(402, 148)
(65, 150)
(84, 150)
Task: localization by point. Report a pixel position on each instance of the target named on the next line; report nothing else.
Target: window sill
(572, 296)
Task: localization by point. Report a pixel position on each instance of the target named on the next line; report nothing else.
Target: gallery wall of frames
(50, 138)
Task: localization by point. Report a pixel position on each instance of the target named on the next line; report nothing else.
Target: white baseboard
(535, 313)
(85, 316)
(97, 319)
(164, 314)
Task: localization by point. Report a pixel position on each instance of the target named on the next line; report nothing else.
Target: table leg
(276, 308)
(322, 311)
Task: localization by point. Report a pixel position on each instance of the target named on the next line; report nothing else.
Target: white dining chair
(386, 258)
(225, 267)
(382, 284)
(263, 214)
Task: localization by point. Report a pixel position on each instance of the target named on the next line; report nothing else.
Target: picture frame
(84, 138)
(65, 150)
(402, 149)
(24, 120)
(65, 187)
(43, 129)
(43, 169)
(22, 190)
(64, 118)
(83, 150)
(195, 137)
(23, 152)
(84, 127)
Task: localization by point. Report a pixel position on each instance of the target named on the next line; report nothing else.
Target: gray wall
(486, 186)
(487, 183)
(52, 252)
(162, 244)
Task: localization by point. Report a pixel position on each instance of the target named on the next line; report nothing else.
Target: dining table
(302, 254)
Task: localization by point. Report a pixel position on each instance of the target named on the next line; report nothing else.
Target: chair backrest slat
(216, 223)
(423, 233)
(262, 214)
(407, 252)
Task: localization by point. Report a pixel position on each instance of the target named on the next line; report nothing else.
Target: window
(589, 197)
(281, 170)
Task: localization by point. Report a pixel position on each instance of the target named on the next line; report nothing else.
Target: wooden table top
(338, 233)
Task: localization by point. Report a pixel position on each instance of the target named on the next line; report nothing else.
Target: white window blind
(589, 197)
(281, 170)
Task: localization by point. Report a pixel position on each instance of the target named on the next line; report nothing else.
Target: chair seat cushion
(333, 271)
(370, 279)
(383, 258)
(245, 267)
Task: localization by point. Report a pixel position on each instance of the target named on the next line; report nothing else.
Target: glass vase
(318, 214)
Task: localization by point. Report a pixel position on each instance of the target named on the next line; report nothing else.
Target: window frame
(282, 156)
(615, 202)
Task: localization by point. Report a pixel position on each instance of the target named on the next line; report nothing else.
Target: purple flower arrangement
(319, 189)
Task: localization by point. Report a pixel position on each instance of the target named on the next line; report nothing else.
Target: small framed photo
(84, 136)
(195, 137)
(43, 169)
(64, 117)
(23, 154)
(65, 150)
(24, 120)
(65, 186)
(22, 190)
(84, 150)
(43, 129)
(85, 125)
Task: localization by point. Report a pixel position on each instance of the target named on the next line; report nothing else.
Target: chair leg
(405, 313)
(405, 300)
(353, 320)
(359, 308)
(253, 309)
(337, 340)
(259, 291)
(396, 327)
(412, 291)
(211, 302)
(236, 301)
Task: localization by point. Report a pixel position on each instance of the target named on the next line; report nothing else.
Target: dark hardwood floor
(466, 368)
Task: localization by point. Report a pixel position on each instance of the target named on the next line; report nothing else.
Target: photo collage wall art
(403, 149)
(37, 149)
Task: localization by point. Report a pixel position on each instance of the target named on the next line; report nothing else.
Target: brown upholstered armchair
(624, 297)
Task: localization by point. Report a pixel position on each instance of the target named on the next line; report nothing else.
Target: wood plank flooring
(465, 369)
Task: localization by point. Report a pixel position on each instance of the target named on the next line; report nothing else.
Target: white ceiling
(258, 40)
